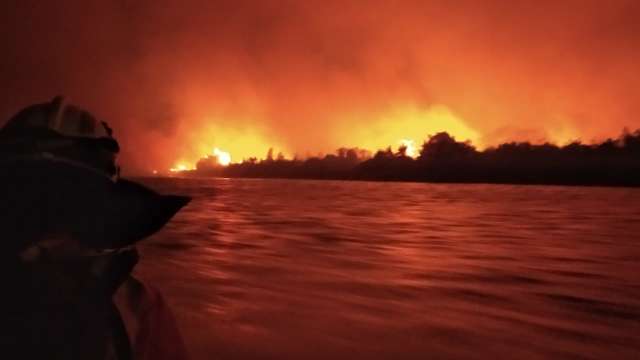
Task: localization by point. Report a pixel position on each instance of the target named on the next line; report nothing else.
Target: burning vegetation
(444, 159)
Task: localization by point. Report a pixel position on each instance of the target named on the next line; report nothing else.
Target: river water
(272, 269)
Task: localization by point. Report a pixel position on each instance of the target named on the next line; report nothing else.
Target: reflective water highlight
(275, 269)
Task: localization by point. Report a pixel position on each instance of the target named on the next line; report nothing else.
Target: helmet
(60, 174)
(62, 130)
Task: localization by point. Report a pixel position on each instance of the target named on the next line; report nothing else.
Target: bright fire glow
(406, 125)
(179, 168)
(411, 148)
(405, 122)
(243, 142)
(223, 157)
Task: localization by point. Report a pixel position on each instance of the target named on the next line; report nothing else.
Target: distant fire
(223, 157)
(220, 157)
(411, 150)
(180, 168)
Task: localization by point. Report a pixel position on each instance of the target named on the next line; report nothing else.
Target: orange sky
(178, 78)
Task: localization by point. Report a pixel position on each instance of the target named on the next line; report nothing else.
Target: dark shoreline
(442, 159)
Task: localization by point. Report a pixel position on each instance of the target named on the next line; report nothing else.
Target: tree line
(613, 162)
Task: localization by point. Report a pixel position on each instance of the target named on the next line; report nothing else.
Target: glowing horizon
(323, 75)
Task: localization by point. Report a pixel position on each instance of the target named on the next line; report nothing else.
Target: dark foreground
(274, 269)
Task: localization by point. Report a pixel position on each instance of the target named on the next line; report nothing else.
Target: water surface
(274, 269)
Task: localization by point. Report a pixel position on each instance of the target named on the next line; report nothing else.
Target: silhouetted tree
(444, 146)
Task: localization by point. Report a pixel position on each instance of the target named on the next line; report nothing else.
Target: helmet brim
(98, 211)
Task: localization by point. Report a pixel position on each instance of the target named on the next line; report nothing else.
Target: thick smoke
(175, 78)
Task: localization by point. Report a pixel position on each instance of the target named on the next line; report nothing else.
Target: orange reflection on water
(320, 269)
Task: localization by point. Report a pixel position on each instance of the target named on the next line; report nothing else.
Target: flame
(411, 148)
(244, 142)
(180, 168)
(406, 124)
(223, 157)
